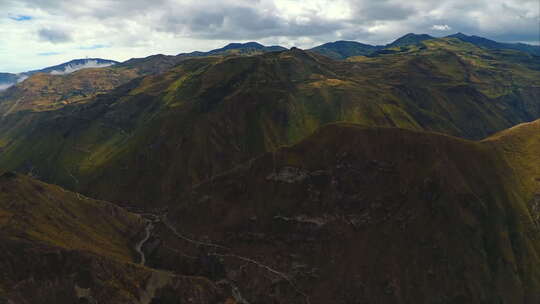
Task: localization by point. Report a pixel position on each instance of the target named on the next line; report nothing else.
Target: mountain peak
(343, 49)
(491, 44)
(247, 47)
(75, 65)
(236, 45)
(410, 38)
(464, 37)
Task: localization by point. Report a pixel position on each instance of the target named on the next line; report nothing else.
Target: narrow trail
(235, 289)
(138, 247)
(155, 218)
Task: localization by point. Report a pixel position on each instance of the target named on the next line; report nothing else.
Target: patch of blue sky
(20, 17)
(94, 47)
(49, 53)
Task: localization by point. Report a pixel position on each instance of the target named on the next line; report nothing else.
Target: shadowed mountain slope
(362, 214)
(61, 247)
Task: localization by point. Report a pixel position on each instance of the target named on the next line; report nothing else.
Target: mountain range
(335, 50)
(7, 79)
(347, 173)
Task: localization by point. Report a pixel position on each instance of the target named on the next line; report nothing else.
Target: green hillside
(148, 140)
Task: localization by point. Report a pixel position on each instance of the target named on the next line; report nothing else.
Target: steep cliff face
(359, 215)
(150, 139)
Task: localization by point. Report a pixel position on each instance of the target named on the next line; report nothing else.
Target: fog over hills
(7, 80)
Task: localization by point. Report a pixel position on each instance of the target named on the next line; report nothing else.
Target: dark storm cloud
(54, 35)
(380, 10)
(242, 22)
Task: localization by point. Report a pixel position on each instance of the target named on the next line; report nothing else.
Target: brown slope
(61, 247)
(366, 215)
(519, 146)
(46, 92)
(42, 92)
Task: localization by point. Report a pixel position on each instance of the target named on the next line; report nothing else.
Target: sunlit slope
(148, 140)
(519, 146)
(44, 91)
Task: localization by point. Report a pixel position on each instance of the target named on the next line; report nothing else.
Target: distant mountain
(154, 64)
(348, 49)
(491, 44)
(237, 48)
(75, 65)
(345, 49)
(409, 39)
(7, 79)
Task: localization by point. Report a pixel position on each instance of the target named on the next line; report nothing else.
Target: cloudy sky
(39, 33)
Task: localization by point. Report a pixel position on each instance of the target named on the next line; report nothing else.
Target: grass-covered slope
(46, 91)
(409, 39)
(519, 147)
(61, 247)
(494, 45)
(42, 92)
(150, 139)
(344, 49)
(44, 213)
(357, 214)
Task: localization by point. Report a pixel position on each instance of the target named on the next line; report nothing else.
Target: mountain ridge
(7, 79)
(407, 39)
(230, 109)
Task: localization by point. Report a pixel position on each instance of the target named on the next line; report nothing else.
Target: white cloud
(135, 28)
(5, 86)
(76, 67)
(441, 27)
(22, 78)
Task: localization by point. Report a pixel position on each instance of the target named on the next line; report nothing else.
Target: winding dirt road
(138, 247)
